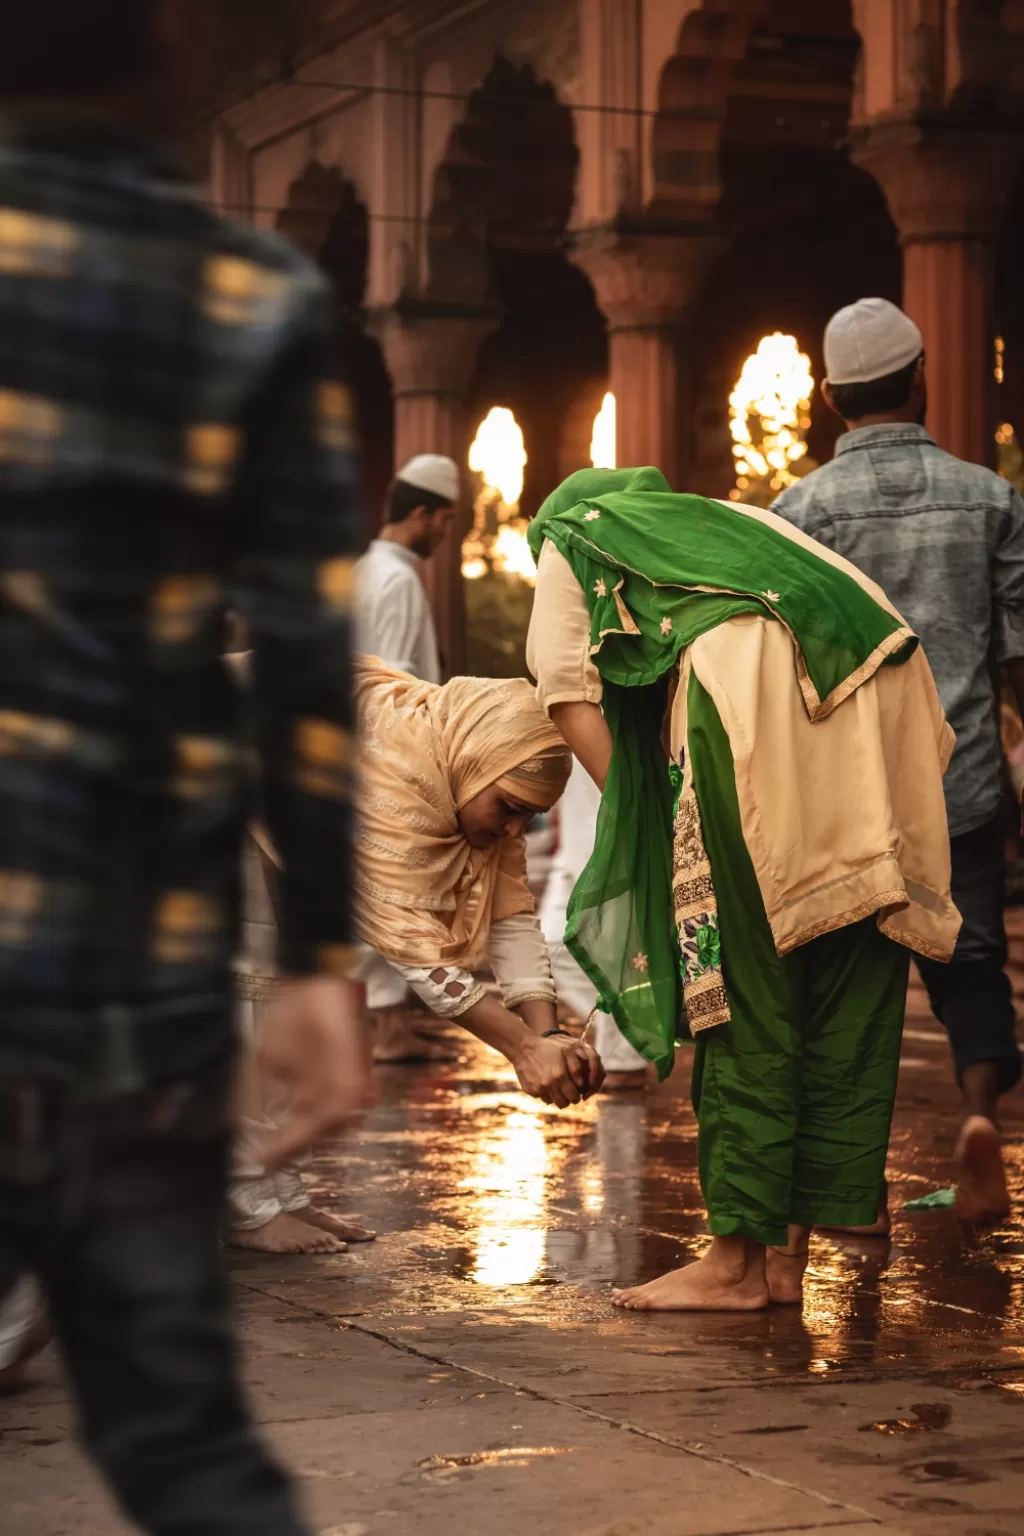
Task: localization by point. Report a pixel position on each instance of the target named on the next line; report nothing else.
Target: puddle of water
(510, 1456)
(947, 1472)
(927, 1417)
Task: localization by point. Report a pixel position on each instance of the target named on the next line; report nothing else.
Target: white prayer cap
(869, 340)
(434, 473)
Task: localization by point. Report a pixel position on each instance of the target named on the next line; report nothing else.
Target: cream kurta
(843, 817)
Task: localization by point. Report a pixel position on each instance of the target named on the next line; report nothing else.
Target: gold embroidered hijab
(424, 896)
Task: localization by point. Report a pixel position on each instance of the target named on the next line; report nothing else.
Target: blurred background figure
(626, 1069)
(394, 623)
(172, 437)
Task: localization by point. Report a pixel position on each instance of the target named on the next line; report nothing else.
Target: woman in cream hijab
(450, 778)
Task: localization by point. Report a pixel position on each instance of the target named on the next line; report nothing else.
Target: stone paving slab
(924, 1453)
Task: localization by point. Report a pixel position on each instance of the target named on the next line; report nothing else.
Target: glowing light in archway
(498, 454)
(497, 539)
(768, 418)
(602, 444)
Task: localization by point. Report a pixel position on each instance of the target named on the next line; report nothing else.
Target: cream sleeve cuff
(519, 958)
(558, 642)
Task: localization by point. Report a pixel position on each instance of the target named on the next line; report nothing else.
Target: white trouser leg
(254, 1195)
(385, 987)
(18, 1312)
(574, 987)
(574, 990)
(613, 1048)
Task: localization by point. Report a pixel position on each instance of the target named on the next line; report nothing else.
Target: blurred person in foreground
(395, 624)
(946, 541)
(172, 440)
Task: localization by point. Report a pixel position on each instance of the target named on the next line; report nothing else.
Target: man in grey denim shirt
(945, 540)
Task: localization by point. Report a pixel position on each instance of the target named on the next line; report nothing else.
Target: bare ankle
(980, 1085)
(735, 1259)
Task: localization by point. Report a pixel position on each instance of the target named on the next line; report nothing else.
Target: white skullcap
(432, 472)
(869, 340)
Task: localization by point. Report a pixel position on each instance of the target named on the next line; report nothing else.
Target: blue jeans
(972, 995)
(115, 1201)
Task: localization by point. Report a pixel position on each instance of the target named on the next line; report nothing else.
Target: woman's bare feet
(398, 1044)
(625, 1082)
(334, 1224)
(285, 1234)
(981, 1192)
(729, 1278)
(785, 1268)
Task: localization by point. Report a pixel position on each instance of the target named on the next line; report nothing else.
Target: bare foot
(625, 1082)
(981, 1193)
(398, 1044)
(724, 1280)
(785, 1272)
(284, 1234)
(334, 1224)
(882, 1227)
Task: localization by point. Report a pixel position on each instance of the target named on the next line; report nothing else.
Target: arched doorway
(805, 229)
(325, 218)
(503, 197)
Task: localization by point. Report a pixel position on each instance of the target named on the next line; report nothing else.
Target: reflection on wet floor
(440, 1467)
(489, 1202)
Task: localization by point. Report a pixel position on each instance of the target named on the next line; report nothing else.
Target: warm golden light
(602, 444)
(768, 419)
(499, 454)
(1000, 364)
(508, 1185)
(1009, 456)
(497, 539)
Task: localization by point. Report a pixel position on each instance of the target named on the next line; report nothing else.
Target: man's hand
(560, 1070)
(315, 1045)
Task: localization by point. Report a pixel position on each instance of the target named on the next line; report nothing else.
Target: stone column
(431, 354)
(230, 174)
(644, 285)
(947, 194)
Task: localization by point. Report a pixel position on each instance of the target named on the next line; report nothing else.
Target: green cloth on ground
(938, 1200)
(630, 540)
(794, 1096)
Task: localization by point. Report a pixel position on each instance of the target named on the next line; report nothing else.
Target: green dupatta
(657, 571)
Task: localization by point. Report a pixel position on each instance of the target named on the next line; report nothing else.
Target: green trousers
(794, 1097)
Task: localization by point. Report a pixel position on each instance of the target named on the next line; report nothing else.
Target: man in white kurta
(394, 622)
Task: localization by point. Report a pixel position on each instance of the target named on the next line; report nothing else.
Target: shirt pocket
(900, 475)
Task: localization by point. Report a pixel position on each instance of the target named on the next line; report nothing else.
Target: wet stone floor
(467, 1373)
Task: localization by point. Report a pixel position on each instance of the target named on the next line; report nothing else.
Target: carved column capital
(940, 183)
(644, 280)
(431, 349)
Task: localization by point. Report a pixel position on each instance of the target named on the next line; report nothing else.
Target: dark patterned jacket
(174, 442)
